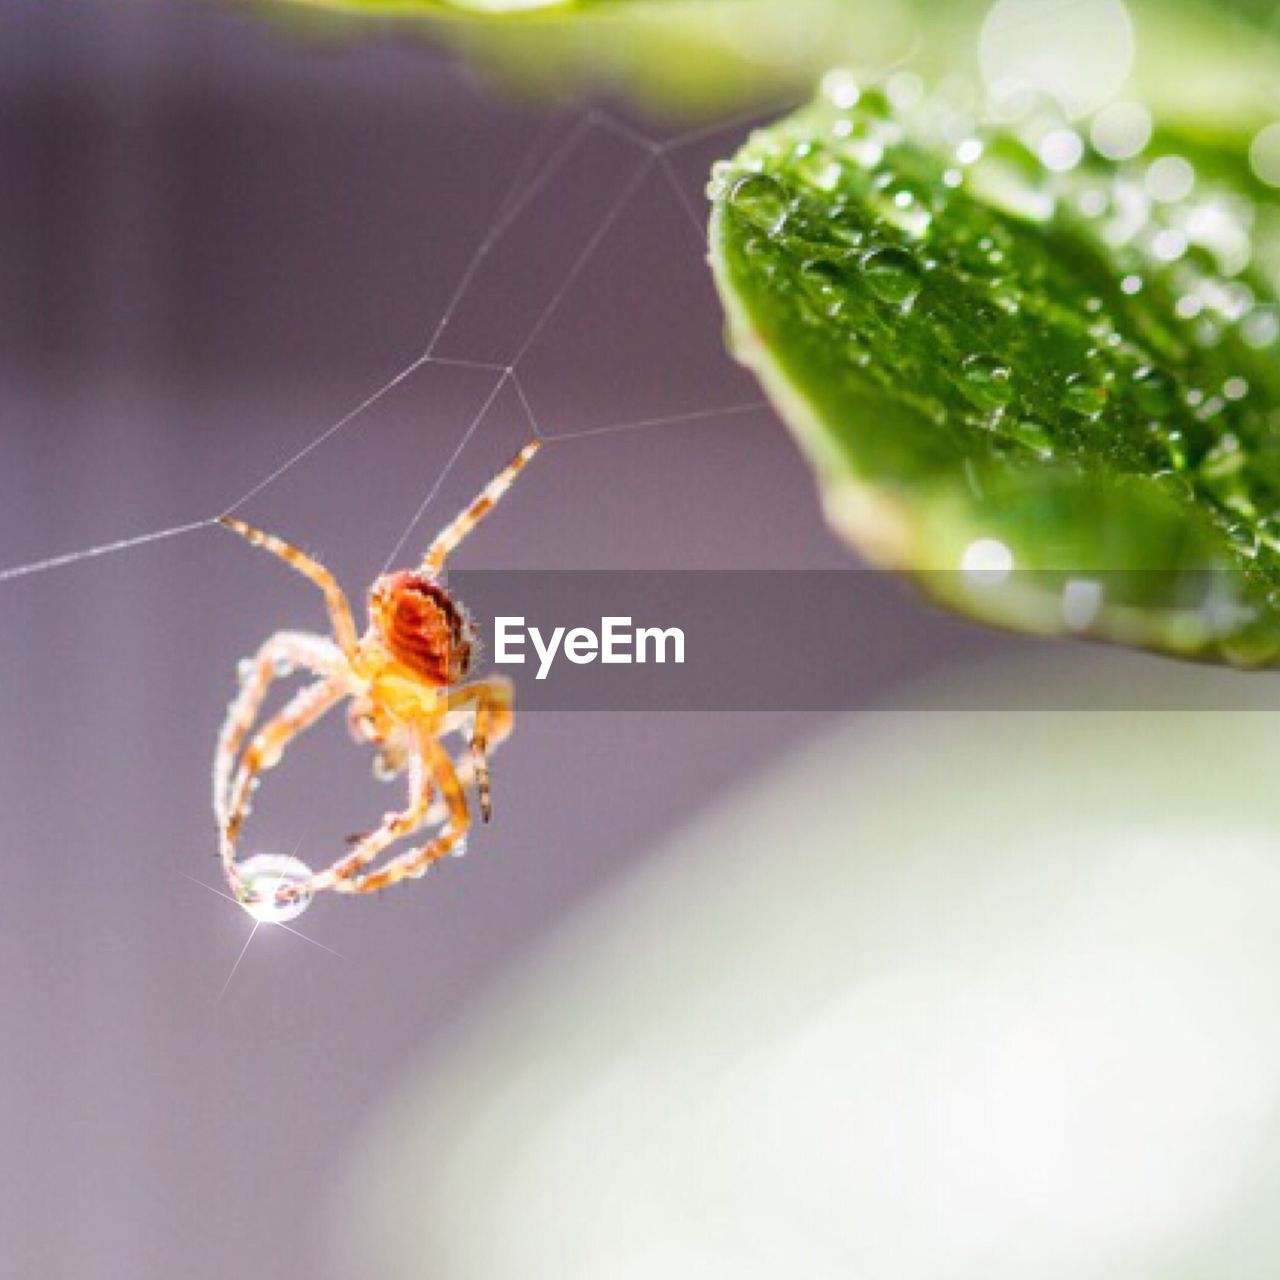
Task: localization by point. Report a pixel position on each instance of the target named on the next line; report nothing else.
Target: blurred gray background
(215, 239)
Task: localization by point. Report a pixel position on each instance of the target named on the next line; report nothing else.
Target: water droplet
(264, 878)
(988, 382)
(761, 200)
(825, 282)
(906, 206)
(1084, 396)
(893, 275)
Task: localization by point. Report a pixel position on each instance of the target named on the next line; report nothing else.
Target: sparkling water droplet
(988, 382)
(893, 275)
(264, 878)
(761, 200)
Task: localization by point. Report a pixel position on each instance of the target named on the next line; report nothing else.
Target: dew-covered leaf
(1045, 383)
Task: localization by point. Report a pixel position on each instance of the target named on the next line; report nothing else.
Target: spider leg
(344, 875)
(488, 703)
(283, 650)
(448, 539)
(344, 627)
(264, 752)
(439, 768)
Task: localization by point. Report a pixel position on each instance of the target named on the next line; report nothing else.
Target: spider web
(554, 146)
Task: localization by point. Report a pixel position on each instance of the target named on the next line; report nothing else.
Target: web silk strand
(523, 189)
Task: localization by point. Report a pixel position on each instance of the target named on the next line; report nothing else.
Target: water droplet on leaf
(1084, 396)
(988, 382)
(761, 200)
(893, 275)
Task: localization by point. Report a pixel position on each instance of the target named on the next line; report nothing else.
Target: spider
(405, 678)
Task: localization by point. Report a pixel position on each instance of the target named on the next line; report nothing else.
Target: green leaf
(991, 364)
(469, 8)
(1197, 59)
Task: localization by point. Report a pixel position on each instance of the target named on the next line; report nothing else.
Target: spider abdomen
(423, 627)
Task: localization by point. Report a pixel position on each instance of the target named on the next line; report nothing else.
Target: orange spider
(404, 677)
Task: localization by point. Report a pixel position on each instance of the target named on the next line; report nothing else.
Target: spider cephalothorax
(405, 679)
(422, 626)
